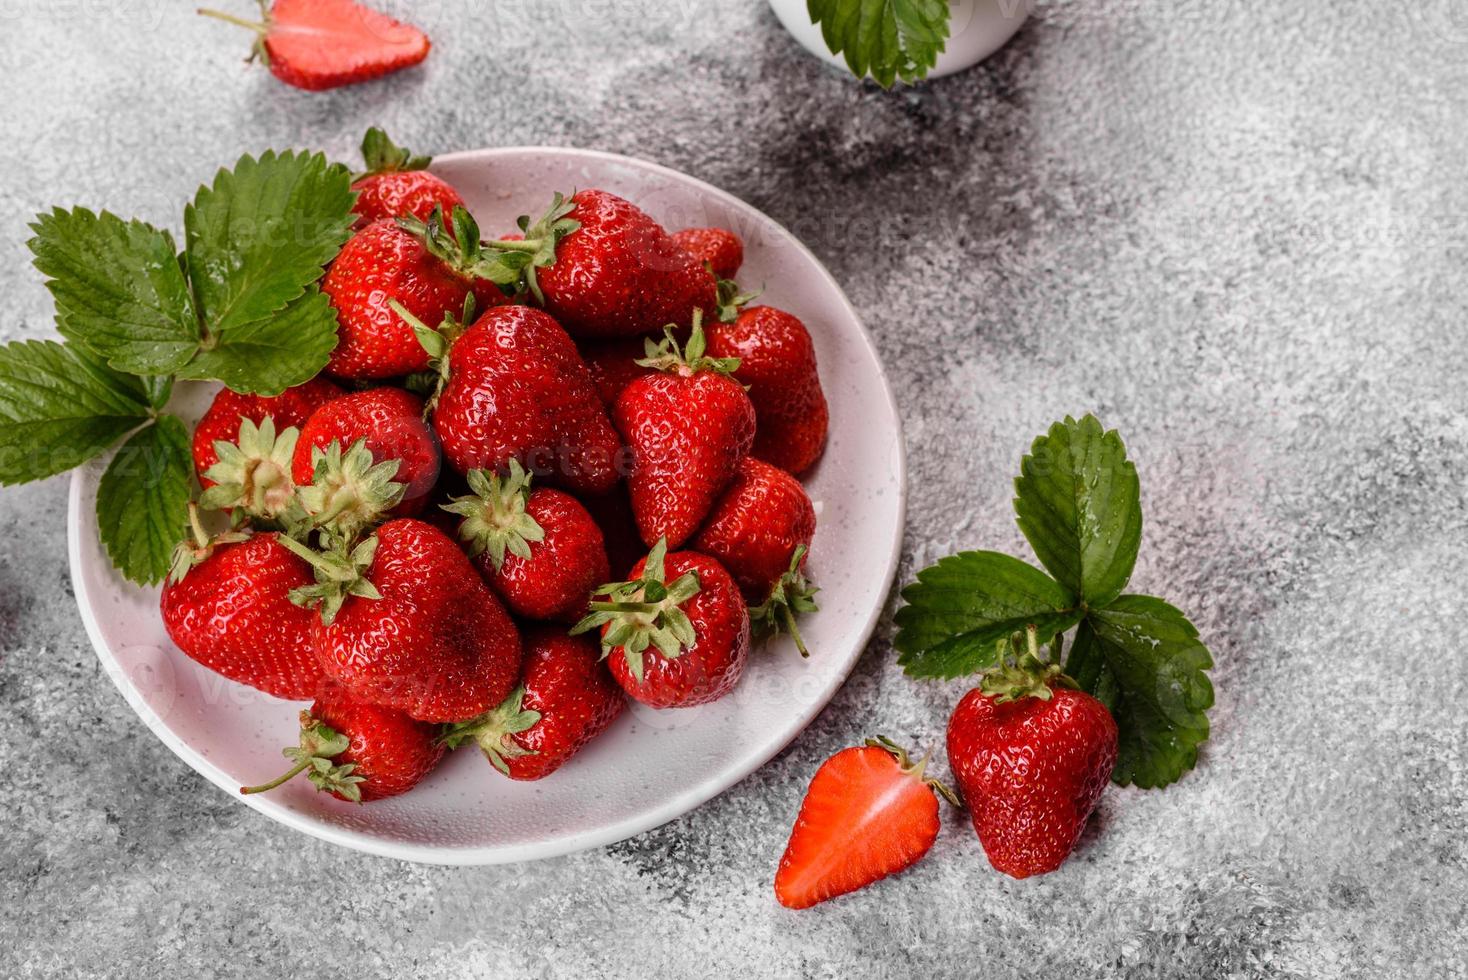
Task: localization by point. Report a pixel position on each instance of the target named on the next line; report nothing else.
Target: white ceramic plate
(651, 766)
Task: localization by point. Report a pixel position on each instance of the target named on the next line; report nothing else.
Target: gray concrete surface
(1235, 230)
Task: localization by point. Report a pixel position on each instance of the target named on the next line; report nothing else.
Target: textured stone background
(1235, 230)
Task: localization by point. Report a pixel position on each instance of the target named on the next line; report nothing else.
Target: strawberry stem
(196, 526)
(531, 245)
(319, 744)
(255, 26)
(283, 778)
(788, 618)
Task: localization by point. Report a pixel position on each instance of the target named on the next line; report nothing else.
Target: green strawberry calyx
(458, 246)
(688, 359)
(492, 730)
(495, 519)
(253, 473)
(436, 343)
(349, 490)
(1020, 670)
(536, 248)
(198, 546)
(382, 156)
(319, 744)
(916, 770)
(731, 299)
(645, 612)
(340, 572)
(791, 595)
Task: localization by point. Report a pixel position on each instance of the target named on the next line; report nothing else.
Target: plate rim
(480, 855)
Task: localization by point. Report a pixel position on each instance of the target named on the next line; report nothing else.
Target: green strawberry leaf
(118, 288)
(961, 607)
(1143, 660)
(381, 155)
(261, 234)
(279, 351)
(1079, 504)
(61, 405)
(143, 500)
(890, 39)
(159, 388)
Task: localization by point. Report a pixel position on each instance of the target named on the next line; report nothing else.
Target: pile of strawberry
(540, 474)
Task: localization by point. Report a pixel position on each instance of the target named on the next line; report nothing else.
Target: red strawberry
(407, 622)
(389, 423)
(760, 530)
(358, 751)
(1031, 758)
(689, 426)
(516, 388)
(605, 269)
(397, 183)
(321, 44)
(418, 265)
(539, 549)
(613, 365)
(221, 423)
(778, 362)
(677, 633)
(566, 698)
(718, 248)
(227, 605)
(869, 813)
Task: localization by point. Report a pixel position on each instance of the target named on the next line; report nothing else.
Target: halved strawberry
(870, 812)
(321, 44)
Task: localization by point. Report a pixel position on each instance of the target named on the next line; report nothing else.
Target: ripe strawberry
(760, 530)
(606, 269)
(407, 622)
(390, 421)
(778, 362)
(718, 248)
(1031, 757)
(358, 751)
(689, 426)
(226, 604)
(321, 44)
(566, 698)
(539, 549)
(397, 183)
(613, 365)
(515, 388)
(869, 813)
(221, 423)
(418, 265)
(677, 633)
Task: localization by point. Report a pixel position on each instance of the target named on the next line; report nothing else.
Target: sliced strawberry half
(869, 813)
(321, 44)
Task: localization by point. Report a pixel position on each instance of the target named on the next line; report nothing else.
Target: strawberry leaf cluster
(239, 304)
(1078, 504)
(887, 39)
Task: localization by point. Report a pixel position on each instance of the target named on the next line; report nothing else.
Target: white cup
(977, 28)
